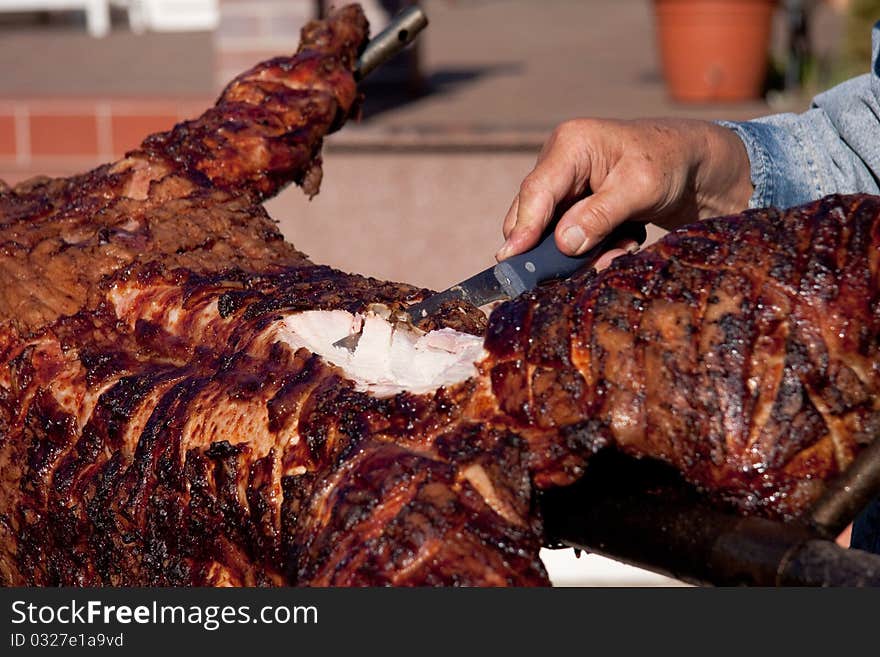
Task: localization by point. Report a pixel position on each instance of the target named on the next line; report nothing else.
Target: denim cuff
(760, 161)
(790, 164)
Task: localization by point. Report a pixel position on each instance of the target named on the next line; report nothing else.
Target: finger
(590, 219)
(510, 217)
(506, 249)
(623, 247)
(635, 232)
(520, 240)
(537, 200)
(561, 172)
(606, 258)
(628, 246)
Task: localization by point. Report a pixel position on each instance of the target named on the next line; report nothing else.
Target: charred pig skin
(742, 350)
(100, 482)
(162, 422)
(169, 436)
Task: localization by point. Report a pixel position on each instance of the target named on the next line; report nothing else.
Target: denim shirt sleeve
(834, 147)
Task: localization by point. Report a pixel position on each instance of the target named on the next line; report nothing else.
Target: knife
(515, 275)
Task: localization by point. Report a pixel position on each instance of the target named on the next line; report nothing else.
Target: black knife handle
(525, 271)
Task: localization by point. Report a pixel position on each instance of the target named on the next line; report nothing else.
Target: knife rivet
(530, 266)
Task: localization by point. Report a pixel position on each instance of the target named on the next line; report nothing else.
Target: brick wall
(62, 136)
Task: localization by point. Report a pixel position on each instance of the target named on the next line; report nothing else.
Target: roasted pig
(173, 410)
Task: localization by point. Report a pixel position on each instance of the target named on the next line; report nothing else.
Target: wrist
(723, 173)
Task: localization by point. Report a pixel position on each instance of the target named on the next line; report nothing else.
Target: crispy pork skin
(158, 423)
(173, 410)
(179, 434)
(188, 428)
(742, 350)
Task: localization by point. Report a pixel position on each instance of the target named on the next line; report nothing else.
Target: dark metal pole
(640, 513)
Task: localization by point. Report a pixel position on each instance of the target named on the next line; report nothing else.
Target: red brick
(64, 134)
(7, 135)
(128, 131)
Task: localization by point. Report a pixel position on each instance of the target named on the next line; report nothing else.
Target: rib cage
(155, 431)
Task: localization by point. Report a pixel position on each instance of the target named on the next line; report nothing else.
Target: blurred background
(415, 190)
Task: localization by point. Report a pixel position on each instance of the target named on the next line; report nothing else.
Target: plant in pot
(714, 50)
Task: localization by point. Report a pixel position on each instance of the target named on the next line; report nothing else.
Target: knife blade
(521, 273)
(478, 290)
(515, 275)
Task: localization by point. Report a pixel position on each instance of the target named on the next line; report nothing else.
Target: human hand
(666, 171)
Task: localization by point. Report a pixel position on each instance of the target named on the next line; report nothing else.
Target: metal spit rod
(642, 513)
(399, 33)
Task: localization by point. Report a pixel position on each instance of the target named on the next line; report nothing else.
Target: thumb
(586, 222)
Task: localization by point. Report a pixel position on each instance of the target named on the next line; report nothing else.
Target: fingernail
(573, 238)
(632, 247)
(503, 252)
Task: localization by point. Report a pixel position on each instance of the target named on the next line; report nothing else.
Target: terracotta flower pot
(714, 50)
